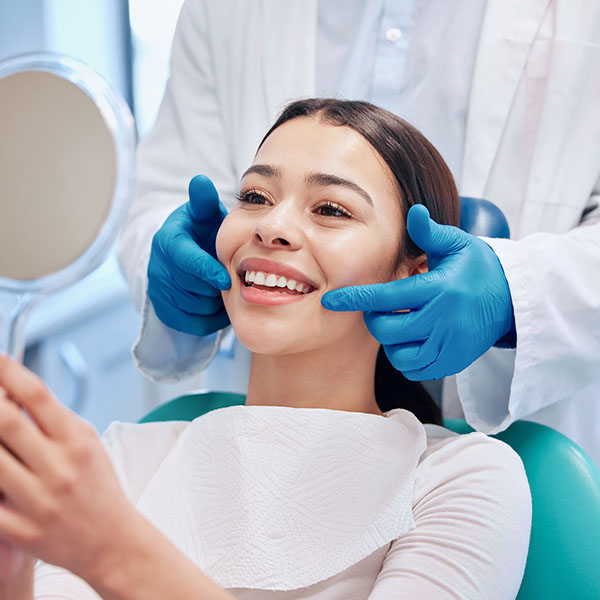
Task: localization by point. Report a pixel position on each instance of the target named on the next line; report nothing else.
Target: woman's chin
(267, 341)
(286, 330)
(271, 330)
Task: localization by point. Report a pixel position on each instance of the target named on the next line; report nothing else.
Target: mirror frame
(120, 124)
(18, 296)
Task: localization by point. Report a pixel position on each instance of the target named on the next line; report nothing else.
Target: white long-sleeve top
(284, 503)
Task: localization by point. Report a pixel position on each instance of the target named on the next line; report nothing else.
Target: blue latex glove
(184, 277)
(458, 310)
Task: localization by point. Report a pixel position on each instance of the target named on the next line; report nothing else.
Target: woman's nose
(279, 228)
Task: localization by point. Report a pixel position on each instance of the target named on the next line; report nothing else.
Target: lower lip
(260, 296)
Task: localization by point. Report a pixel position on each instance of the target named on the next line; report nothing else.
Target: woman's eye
(251, 198)
(332, 209)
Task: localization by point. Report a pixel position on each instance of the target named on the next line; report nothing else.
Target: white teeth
(271, 280)
(274, 280)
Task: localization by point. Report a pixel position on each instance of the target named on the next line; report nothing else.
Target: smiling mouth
(275, 283)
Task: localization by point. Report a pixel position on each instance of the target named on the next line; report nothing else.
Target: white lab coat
(532, 147)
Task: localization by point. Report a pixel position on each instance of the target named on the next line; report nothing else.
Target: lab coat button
(393, 35)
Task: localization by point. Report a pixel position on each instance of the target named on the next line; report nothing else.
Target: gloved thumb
(430, 236)
(204, 200)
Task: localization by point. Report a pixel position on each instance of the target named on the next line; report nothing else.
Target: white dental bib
(279, 498)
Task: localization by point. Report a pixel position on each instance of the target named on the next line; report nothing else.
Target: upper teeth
(274, 280)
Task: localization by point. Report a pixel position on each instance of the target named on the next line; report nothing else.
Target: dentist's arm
(187, 138)
(458, 310)
(64, 504)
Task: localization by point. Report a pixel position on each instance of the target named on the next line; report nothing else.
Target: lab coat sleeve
(555, 286)
(188, 138)
(472, 513)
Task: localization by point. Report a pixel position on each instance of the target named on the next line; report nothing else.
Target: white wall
(21, 27)
(79, 339)
(94, 31)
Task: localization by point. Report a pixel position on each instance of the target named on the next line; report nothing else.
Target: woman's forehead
(307, 144)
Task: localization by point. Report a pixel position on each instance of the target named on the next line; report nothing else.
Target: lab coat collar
(508, 31)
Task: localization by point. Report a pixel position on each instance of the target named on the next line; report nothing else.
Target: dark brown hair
(422, 177)
(420, 172)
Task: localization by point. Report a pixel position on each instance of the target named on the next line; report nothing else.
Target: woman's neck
(333, 378)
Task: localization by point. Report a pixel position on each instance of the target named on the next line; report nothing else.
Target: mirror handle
(14, 311)
(76, 367)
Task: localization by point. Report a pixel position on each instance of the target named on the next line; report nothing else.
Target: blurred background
(79, 340)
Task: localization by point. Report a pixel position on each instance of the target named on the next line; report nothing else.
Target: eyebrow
(264, 170)
(320, 179)
(325, 179)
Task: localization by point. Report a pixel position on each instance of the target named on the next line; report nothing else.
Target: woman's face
(318, 210)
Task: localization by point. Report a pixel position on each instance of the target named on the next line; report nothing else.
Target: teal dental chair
(564, 550)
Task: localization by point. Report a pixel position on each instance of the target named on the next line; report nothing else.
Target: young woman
(319, 487)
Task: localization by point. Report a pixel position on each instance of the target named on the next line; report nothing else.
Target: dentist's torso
(530, 143)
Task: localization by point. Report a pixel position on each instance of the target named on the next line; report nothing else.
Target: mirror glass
(46, 171)
(66, 175)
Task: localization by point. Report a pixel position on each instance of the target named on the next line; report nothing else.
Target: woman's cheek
(371, 260)
(364, 273)
(223, 242)
(381, 266)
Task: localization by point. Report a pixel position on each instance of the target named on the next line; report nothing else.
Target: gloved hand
(184, 277)
(458, 310)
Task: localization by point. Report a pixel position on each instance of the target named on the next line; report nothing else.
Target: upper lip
(271, 266)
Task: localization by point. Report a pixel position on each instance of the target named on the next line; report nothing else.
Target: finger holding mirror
(66, 176)
(57, 478)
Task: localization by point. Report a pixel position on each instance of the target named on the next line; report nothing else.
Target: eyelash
(248, 195)
(334, 206)
(245, 195)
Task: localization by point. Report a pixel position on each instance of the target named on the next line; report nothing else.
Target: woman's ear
(418, 265)
(412, 266)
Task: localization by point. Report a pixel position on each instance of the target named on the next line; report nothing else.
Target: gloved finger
(201, 326)
(430, 236)
(431, 372)
(409, 293)
(191, 259)
(402, 354)
(176, 319)
(204, 202)
(193, 304)
(391, 329)
(413, 356)
(190, 283)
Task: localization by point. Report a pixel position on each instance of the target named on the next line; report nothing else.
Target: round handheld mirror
(66, 176)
